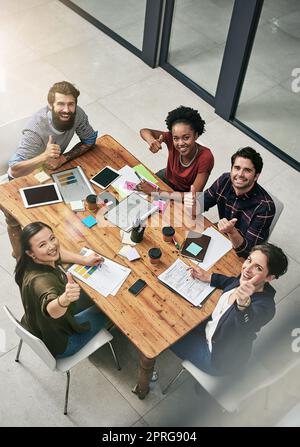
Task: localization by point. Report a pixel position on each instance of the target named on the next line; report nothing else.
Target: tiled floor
(38, 46)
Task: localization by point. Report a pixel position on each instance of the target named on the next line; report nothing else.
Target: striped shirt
(36, 135)
(254, 211)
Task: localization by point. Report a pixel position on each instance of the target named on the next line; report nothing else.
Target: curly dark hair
(251, 154)
(63, 87)
(186, 115)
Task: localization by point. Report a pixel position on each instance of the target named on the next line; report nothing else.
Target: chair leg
(67, 392)
(19, 350)
(172, 381)
(114, 356)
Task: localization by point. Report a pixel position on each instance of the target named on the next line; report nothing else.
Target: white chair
(278, 210)
(63, 364)
(228, 391)
(272, 359)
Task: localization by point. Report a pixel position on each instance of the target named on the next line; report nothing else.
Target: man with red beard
(46, 138)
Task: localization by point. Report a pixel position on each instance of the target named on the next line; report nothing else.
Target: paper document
(219, 245)
(179, 279)
(105, 279)
(127, 175)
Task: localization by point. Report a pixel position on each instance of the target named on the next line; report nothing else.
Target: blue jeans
(194, 347)
(76, 341)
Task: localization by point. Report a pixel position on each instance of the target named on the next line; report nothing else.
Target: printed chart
(73, 184)
(106, 278)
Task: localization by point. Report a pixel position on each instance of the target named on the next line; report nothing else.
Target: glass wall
(125, 18)
(270, 99)
(198, 35)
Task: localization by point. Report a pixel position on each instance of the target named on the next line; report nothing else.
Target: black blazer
(234, 335)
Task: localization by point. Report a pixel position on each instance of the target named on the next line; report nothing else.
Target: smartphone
(137, 286)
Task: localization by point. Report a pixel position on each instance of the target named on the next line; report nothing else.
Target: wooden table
(158, 318)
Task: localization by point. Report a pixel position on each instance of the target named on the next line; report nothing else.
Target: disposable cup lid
(91, 198)
(168, 231)
(154, 253)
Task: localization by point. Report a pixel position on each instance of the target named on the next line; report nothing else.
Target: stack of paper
(106, 278)
(129, 252)
(219, 245)
(125, 238)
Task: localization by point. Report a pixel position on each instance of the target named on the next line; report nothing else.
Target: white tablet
(105, 177)
(40, 195)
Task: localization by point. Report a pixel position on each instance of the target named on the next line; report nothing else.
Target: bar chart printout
(73, 184)
(105, 278)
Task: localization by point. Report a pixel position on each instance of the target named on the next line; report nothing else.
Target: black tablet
(40, 195)
(105, 177)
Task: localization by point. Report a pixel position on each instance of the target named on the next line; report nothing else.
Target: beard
(63, 125)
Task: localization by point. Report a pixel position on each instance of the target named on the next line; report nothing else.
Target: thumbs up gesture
(245, 290)
(227, 226)
(72, 290)
(155, 145)
(52, 154)
(190, 198)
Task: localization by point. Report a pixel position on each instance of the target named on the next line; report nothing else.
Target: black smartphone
(137, 286)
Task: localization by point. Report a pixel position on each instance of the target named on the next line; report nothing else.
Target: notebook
(195, 246)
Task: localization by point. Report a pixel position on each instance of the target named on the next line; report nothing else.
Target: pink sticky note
(162, 205)
(130, 185)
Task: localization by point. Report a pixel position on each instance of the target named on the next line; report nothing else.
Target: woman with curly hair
(189, 163)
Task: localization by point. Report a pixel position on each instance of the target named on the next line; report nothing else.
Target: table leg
(146, 367)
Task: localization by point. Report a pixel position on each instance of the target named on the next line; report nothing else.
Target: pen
(138, 175)
(176, 243)
(143, 179)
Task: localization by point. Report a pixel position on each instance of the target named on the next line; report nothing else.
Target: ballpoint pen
(143, 179)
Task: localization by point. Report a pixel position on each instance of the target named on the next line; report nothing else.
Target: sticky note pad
(132, 254)
(89, 221)
(130, 185)
(193, 248)
(42, 176)
(77, 205)
(124, 250)
(125, 238)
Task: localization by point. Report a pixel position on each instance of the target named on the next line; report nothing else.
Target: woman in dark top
(50, 296)
(222, 344)
(189, 163)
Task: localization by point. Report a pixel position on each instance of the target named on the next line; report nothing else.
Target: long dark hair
(24, 261)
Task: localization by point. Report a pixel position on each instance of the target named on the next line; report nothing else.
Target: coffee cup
(154, 255)
(91, 202)
(168, 233)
